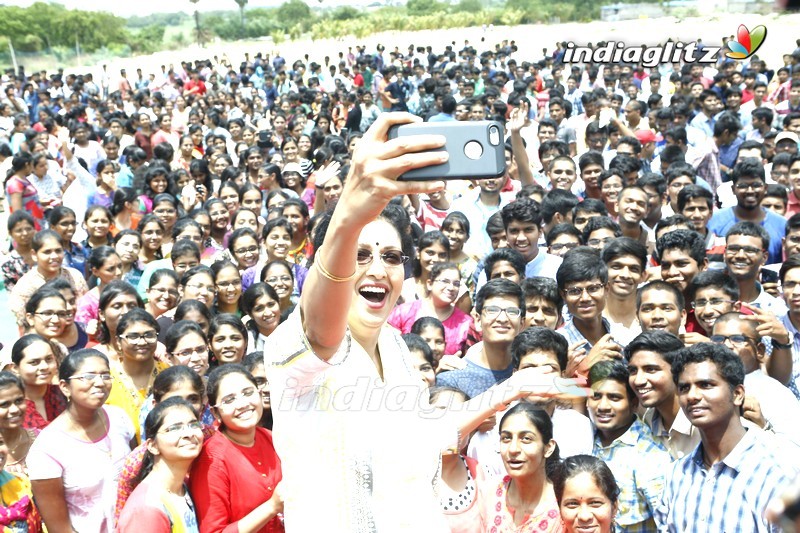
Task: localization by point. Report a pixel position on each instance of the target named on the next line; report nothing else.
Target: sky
(146, 7)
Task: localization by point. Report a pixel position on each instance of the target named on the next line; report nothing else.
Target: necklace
(13, 449)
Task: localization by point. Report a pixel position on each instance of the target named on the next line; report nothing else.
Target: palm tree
(197, 22)
(241, 3)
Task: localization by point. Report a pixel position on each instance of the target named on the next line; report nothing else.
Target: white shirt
(357, 452)
(778, 405)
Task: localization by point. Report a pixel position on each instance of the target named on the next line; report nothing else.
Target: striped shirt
(730, 496)
(639, 464)
(571, 333)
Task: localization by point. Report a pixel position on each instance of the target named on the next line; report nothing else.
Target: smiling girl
(260, 303)
(36, 364)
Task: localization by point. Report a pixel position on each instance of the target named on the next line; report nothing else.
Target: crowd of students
(645, 238)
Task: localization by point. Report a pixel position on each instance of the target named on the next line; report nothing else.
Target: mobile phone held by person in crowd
(476, 150)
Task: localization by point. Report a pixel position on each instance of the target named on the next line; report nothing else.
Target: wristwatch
(788, 345)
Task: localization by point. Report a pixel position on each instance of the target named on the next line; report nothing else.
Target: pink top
(456, 327)
(468, 519)
(499, 516)
(88, 308)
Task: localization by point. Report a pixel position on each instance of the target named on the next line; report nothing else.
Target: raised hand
(767, 324)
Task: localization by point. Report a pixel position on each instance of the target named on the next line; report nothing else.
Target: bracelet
(325, 274)
(780, 345)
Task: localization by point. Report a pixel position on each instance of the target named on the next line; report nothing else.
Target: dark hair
(280, 222)
(160, 274)
(718, 279)
(459, 218)
(74, 360)
(152, 424)
(656, 181)
(121, 196)
(22, 344)
(227, 319)
(661, 342)
(541, 421)
(580, 464)
(427, 240)
(438, 268)
(196, 271)
(416, 343)
(134, 316)
(10, 379)
(216, 375)
(18, 216)
(581, 264)
(692, 192)
(615, 371)
(592, 157)
(513, 257)
(97, 259)
(557, 201)
(749, 168)
(522, 210)
(660, 285)
(500, 287)
(791, 262)
(541, 339)
(427, 322)
(749, 229)
(253, 360)
(276, 262)
(564, 228)
(169, 377)
(37, 297)
(590, 205)
(538, 287)
(109, 293)
(192, 305)
(59, 213)
(729, 365)
(178, 330)
(437, 391)
(682, 239)
(596, 223)
(625, 246)
(183, 248)
(43, 236)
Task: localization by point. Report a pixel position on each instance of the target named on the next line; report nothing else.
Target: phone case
(464, 141)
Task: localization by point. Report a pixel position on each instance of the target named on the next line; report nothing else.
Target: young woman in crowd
(116, 300)
(20, 193)
(220, 220)
(106, 183)
(432, 331)
(228, 283)
(162, 292)
(62, 220)
(165, 207)
(455, 227)
(261, 304)
(155, 183)
(46, 315)
(133, 374)
(75, 461)
(244, 249)
(104, 267)
(433, 247)
(442, 293)
(280, 276)
(74, 336)
(228, 338)
(244, 219)
(229, 193)
(16, 438)
(235, 480)
(124, 211)
(187, 345)
(97, 223)
(254, 363)
(587, 494)
(161, 502)
(128, 244)
(36, 362)
(152, 231)
(49, 256)
(21, 257)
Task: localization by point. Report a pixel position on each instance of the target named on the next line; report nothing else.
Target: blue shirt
(731, 495)
(474, 379)
(724, 219)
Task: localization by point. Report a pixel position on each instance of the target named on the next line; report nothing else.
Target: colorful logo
(747, 42)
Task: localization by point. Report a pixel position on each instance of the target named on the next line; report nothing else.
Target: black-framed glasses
(557, 247)
(755, 185)
(248, 250)
(390, 259)
(189, 352)
(229, 284)
(749, 250)
(134, 338)
(576, 292)
(713, 302)
(48, 315)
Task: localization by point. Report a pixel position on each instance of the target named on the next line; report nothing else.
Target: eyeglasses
(89, 377)
(229, 400)
(189, 352)
(456, 284)
(159, 290)
(48, 315)
(230, 284)
(599, 242)
(249, 250)
(177, 429)
(389, 259)
(713, 302)
(576, 292)
(493, 311)
(200, 287)
(749, 250)
(561, 245)
(738, 340)
(276, 279)
(134, 338)
(755, 185)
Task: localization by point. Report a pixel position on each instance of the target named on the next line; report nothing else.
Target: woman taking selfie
(356, 278)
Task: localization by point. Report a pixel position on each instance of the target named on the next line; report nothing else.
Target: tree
(197, 21)
(293, 12)
(241, 4)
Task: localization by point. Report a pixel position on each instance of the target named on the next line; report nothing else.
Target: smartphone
(476, 149)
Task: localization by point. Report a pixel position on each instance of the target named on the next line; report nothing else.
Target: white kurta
(359, 454)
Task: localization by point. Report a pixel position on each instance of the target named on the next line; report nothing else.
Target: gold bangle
(325, 274)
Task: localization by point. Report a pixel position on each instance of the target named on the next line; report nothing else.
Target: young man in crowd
(625, 260)
(632, 205)
(649, 358)
(543, 302)
(697, 204)
(710, 382)
(626, 445)
(682, 255)
(522, 221)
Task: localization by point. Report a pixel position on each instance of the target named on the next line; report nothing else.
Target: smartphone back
(476, 149)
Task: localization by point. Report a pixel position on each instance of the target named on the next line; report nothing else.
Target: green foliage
(424, 7)
(468, 6)
(158, 19)
(345, 13)
(147, 40)
(292, 13)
